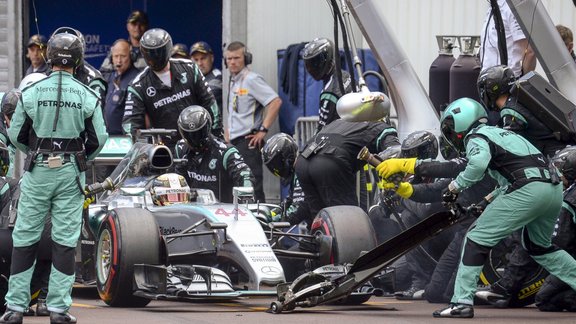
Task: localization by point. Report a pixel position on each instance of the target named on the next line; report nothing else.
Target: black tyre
(126, 237)
(491, 273)
(350, 229)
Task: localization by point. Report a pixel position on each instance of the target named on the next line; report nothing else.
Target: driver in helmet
(279, 155)
(523, 175)
(211, 163)
(66, 118)
(494, 85)
(319, 60)
(169, 189)
(165, 87)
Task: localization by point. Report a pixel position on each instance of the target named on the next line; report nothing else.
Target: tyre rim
(104, 255)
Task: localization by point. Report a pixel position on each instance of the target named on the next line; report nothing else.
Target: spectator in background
(179, 51)
(136, 25)
(202, 54)
(118, 81)
(36, 53)
(568, 39)
(253, 106)
(521, 57)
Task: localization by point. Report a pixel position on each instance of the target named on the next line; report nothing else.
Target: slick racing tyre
(126, 237)
(492, 272)
(351, 232)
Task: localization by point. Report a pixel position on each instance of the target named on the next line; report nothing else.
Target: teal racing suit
(59, 123)
(527, 198)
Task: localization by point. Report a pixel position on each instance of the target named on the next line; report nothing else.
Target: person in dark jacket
(211, 163)
(167, 86)
(319, 60)
(328, 164)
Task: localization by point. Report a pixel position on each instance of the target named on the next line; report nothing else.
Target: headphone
(133, 56)
(247, 55)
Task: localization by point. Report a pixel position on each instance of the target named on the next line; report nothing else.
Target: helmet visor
(318, 66)
(197, 140)
(451, 136)
(156, 58)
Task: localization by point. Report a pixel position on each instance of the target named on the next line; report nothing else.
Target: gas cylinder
(439, 76)
(465, 70)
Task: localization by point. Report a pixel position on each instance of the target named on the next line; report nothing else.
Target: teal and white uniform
(52, 187)
(525, 199)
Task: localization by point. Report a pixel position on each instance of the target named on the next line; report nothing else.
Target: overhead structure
(413, 106)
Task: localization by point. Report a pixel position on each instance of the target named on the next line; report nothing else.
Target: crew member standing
(59, 123)
(253, 106)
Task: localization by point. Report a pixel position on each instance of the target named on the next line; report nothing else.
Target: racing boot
(61, 318)
(41, 308)
(455, 310)
(11, 317)
(496, 295)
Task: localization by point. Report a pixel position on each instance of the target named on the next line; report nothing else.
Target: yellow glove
(392, 166)
(404, 189)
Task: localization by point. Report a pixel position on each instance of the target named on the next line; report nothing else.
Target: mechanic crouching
(211, 163)
(529, 197)
(59, 123)
(327, 166)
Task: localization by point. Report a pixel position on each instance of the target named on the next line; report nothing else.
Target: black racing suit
(441, 282)
(327, 166)
(555, 295)
(516, 117)
(148, 96)
(329, 98)
(91, 77)
(218, 168)
(295, 207)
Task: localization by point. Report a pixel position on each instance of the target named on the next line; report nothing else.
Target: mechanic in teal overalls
(59, 122)
(529, 197)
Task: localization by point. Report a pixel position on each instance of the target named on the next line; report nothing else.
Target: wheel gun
(374, 160)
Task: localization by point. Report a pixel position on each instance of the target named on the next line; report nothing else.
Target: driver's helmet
(494, 82)
(279, 154)
(420, 144)
(170, 188)
(318, 58)
(194, 125)
(156, 48)
(565, 161)
(459, 118)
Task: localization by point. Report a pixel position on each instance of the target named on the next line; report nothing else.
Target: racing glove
(404, 189)
(392, 166)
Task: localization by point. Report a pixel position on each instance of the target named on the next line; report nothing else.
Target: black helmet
(319, 58)
(494, 82)
(65, 50)
(73, 31)
(9, 102)
(565, 161)
(194, 125)
(156, 47)
(421, 145)
(279, 154)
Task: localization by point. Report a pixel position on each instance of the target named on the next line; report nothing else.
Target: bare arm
(529, 57)
(271, 113)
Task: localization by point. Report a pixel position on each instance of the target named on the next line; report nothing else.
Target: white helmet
(31, 78)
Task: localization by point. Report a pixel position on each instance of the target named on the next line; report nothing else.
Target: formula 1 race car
(152, 237)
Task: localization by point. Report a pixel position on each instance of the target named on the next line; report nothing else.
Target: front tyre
(126, 237)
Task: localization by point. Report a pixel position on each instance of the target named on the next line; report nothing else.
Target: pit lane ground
(88, 308)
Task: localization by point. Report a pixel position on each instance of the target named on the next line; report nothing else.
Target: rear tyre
(126, 237)
(350, 229)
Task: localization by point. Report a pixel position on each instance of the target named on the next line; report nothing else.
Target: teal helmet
(461, 116)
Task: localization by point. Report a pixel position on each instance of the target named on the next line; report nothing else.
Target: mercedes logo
(269, 270)
(150, 91)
